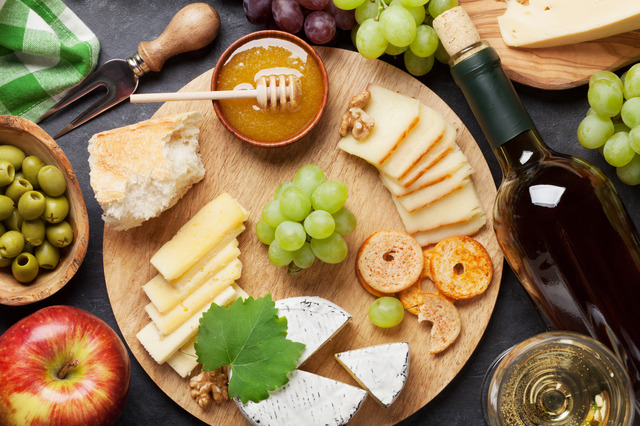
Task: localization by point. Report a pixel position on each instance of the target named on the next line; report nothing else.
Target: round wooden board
(251, 174)
(552, 68)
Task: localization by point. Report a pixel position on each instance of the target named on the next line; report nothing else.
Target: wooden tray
(251, 174)
(552, 68)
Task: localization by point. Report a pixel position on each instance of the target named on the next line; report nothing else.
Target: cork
(455, 30)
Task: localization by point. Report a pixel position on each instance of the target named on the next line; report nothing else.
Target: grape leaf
(249, 337)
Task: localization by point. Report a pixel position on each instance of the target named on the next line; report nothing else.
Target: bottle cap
(455, 30)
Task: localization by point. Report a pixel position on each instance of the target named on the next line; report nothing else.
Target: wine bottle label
(492, 97)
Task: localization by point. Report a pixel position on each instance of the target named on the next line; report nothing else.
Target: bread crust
(390, 261)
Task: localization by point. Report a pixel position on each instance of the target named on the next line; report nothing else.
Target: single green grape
(347, 4)
(417, 66)
(265, 233)
(280, 188)
(329, 196)
(290, 235)
(394, 50)
(629, 174)
(436, 7)
(398, 26)
(354, 33)
(367, 10)
(295, 204)
(308, 177)
(617, 150)
(619, 126)
(272, 214)
(634, 139)
(632, 82)
(441, 53)
(605, 97)
(279, 256)
(630, 113)
(386, 312)
(330, 250)
(594, 130)
(418, 12)
(370, 40)
(345, 221)
(414, 3)
(319, 224)
(425, 43)
(606, 75)
(304, 257)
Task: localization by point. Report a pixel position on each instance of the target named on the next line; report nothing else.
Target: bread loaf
(141, 170)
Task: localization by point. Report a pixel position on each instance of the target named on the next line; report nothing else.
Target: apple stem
(63, 372)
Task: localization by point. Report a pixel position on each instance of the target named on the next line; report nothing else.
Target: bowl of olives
(44, 228)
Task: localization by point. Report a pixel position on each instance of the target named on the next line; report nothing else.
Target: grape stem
(381, 7)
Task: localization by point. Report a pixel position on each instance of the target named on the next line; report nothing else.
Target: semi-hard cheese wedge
(418, 142)
(307, 399)
(161, 346)
(171, 320)
(312, 321)
(382, 370)
(467, 227)
(548, 23)
(165, 295)
(185, 359)
(395, 116)
(199, 235)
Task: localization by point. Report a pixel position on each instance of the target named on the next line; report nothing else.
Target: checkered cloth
(44, 49)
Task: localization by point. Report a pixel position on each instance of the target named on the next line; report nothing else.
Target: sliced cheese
(199, 235)
(161, 347)
(467, 227)
(185, 359)
(458, 206)
(171, 320)
(382, 370)
(428, 194)
(394, 114)
(418, 142)
(439, 171)
(307, 399)
(312, 321)
(166, 295)
(548, 23)
(241, 293)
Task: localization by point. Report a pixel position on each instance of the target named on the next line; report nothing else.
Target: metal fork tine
(99, 106)
(91, 83)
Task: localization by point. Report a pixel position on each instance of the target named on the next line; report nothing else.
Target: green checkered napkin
(44, 49)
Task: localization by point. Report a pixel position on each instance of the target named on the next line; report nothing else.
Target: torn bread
(141, 170)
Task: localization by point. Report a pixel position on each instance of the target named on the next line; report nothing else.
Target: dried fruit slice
(445, 319)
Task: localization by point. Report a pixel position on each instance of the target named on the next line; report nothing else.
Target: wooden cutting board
(552, 68)
(251, 174)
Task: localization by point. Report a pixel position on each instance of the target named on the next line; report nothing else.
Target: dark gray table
(120, 25)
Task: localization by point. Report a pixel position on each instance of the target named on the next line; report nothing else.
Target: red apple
(62, 366)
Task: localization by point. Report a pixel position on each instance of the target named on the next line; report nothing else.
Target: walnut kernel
(209, 385)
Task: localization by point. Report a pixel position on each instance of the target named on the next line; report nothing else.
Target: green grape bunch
(306, 220)
(399, 27)
(612, 124)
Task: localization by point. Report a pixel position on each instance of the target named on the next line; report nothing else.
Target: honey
(264, 57)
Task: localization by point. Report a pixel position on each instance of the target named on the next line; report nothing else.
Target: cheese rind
(199, 235)
(382, 370)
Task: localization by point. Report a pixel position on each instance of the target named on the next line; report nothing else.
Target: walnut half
(209, 385)
(355, 119)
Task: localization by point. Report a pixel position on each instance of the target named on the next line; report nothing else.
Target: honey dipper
(271, 92)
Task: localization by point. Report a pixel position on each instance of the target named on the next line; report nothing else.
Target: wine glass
(558, 378)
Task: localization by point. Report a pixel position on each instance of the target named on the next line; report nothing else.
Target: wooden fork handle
(193, 27)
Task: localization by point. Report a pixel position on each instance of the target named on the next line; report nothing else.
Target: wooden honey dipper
(271, 92)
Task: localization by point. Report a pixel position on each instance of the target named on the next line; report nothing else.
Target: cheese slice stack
(197, 267)
(429, 177)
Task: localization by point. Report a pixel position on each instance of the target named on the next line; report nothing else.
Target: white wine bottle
(558, 219)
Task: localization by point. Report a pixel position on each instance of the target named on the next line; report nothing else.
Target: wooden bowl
(264, 35)
(30, 138)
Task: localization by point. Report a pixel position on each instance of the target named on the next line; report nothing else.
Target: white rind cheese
(382, 370)
(307, 399)
(549, 23)
(312, 321)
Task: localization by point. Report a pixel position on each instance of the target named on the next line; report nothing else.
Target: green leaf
(249, 337)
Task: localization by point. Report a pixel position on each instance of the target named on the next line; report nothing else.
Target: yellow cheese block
(171, 320)
(394, 115)
(548, 23)
(185, 359)
(199, 235)
(162, 347)
(165, 295)
(467, 227)
(418, 142)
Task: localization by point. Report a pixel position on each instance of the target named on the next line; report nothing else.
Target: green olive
(31, 165)
(13, 155)
(6, 207)
(14, 222)
(2, 228)
(33, 231)
(59, 234)
(47, 255)
(11, 244)
(19, 175)
(7, 173)
(24, 267)
(18, 187)
(5, 261)
(56, 209)
(51, 180)
(31, 205)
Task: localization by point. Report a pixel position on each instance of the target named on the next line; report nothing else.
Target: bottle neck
(490, 94)
(523, 150)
